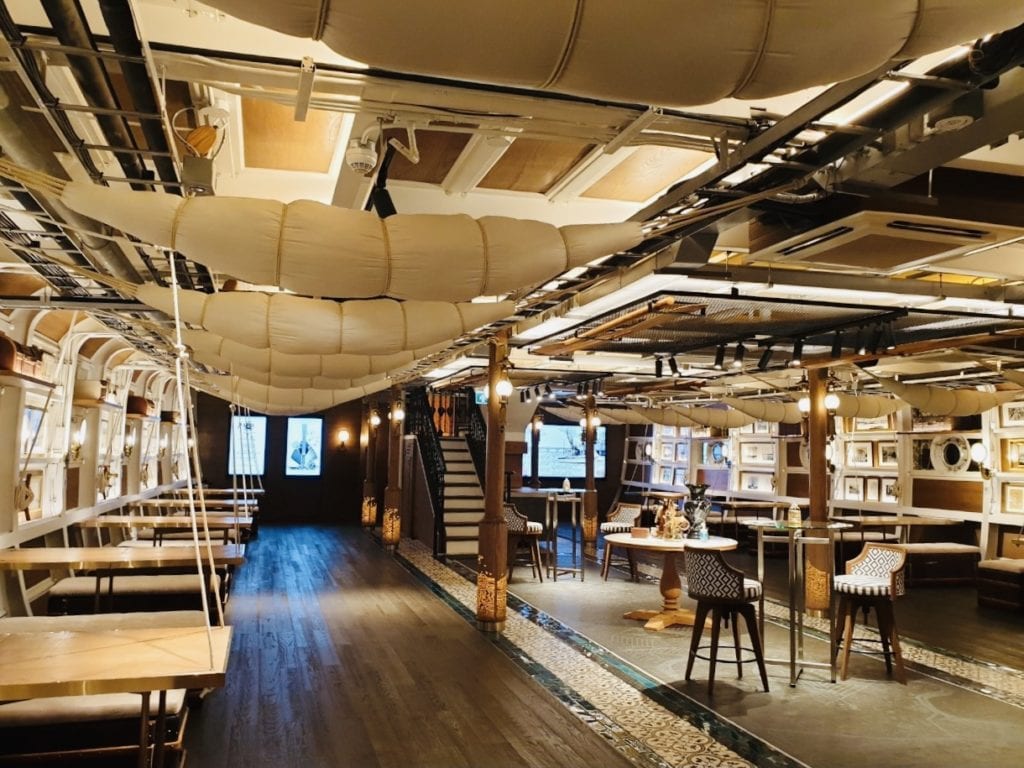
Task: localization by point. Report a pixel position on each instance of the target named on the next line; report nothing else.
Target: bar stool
(523, 533)
(873, 579)
(622, 518)
(727, 594)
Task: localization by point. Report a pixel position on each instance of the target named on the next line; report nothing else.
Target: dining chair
(523, 534)
(725, 593)
(622, 518)
(873, 579)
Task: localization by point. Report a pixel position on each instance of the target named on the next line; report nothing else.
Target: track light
(547, 391)
(719, 357)
(766, 358)
(522, 396)
(673, 366)
(798, 353)
(837, 345)
(737, 359)
(580, 388)
(526, 392)
(599, 388)
(888, 339)
(536, 392)
(876, 339)
(859, 345)
(659, 367)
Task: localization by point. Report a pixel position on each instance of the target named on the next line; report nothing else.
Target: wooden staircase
(463, 499)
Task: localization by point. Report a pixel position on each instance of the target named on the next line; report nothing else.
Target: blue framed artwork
(304, 447)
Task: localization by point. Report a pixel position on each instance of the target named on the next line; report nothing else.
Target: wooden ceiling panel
(19, 285)
(54, 324)
(92, 346)
(645, 173)
(438, 152)
(274, 140)
(532, 165)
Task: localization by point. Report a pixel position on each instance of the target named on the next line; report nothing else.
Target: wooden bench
(1001, 584)
(100, 729)
(131, 593)
(940, 562)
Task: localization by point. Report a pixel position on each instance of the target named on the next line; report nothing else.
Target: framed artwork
(304, 446)
(890, 490)
(1012, 415)
(873, 424)
(683, 451)
(1013, 498)
(1014, 456)
(247, 447)
(757, 481)
(853, 488)
(928, 422)
(762, 428)
(757, 453)
(668, 451)
(679, 478)
(746, 429)
(887, 454)
(665, 476)
(859, 454)
(871, 489)
(668, 431)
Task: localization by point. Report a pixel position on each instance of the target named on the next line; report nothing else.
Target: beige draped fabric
(323, 250)
(941, 401)
(774, 411)
(299, 325)
(275, 401)
(663, 52)
(865, 406)
(724, 418)
(665, 416)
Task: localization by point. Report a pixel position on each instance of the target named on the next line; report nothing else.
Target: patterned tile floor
(649, 721)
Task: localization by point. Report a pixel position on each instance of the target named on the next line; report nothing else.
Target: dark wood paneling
(333, 497)
(959, 495)
(797, 485)
(716, 479)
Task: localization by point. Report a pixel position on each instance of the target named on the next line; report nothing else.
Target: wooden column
(816, 564)
(369, 511)
(536, 426)
(589, 487)
(392, 521)
(492, 577)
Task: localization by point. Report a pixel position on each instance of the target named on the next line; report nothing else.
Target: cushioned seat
(727, 594)
(523, 533)
(622, 518)
(1001, 584)
(941, 562)
(873, 579)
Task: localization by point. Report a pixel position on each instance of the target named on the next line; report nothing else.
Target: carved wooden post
(590, 422)
(492, 575)
(536, 425)
(392, 522)
(816, 565)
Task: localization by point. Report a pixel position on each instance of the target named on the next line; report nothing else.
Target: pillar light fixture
(979, 455)
(719, 357)
(831, 402)
(503, 388)
(804, 405)
(374, 419)
(737, 359)
(397, 413)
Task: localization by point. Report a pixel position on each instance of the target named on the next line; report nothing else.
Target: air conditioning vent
(816, 240)
(938, 229)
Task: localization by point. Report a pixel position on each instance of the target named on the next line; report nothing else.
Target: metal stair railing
(420, 422)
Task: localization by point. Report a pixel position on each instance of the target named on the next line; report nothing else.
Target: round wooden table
(669, 584)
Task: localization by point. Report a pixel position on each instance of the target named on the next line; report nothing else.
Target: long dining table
(105, 559)
(223, 524)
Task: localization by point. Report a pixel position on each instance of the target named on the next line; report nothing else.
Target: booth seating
(1001, 583)
(131, 593)
(99, 729)
(940, 562)
(621, 519)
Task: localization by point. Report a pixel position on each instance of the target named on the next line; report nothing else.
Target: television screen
(304, 447)
(561, 452)
(247, 447)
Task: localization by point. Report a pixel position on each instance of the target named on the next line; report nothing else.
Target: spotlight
(888, 339)
(798, 353)
(536, 392)
(737, 360)
(876, 339)
(522, 396)
(859, 343)
(659, 367)
(580, 388)
(766, 358)
(529, 397)
(837, 345)
(719, 357)
(673, 366)
(547, 391)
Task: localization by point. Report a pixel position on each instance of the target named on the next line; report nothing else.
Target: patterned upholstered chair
(621, 519)
(523, 534)
(723, 591)
(873, 579)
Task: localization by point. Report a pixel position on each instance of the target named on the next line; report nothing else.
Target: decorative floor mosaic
(648, 722)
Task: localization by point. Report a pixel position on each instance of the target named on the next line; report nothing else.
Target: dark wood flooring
(340, 658)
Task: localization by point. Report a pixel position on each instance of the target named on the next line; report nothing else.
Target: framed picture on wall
(859, 454)
(668, 451)
(853, 488)
(871, 489)
(887, 454)
(304, 447)
(665, 475)
(1013, 498)
(247, 444)
(679, 478)
(667, 431)
(683, 451)
(873, 424)
(1012, 415)
(757, 481)
(890, 490)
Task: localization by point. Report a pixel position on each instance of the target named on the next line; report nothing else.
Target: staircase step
(462, 531)
(463, 504)
(461, 478)
(458, 518)
(458, 547)
(466, 467)
(462, 491)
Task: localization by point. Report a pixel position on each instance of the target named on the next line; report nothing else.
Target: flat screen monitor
(247, 447)
(304, 447)
(561, 452)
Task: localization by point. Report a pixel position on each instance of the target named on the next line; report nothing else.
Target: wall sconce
(374, 420)
(343, 438)
(129, 444)
(979, 455)
(397, 414)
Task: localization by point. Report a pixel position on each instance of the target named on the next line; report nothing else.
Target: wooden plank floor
(342, 659)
